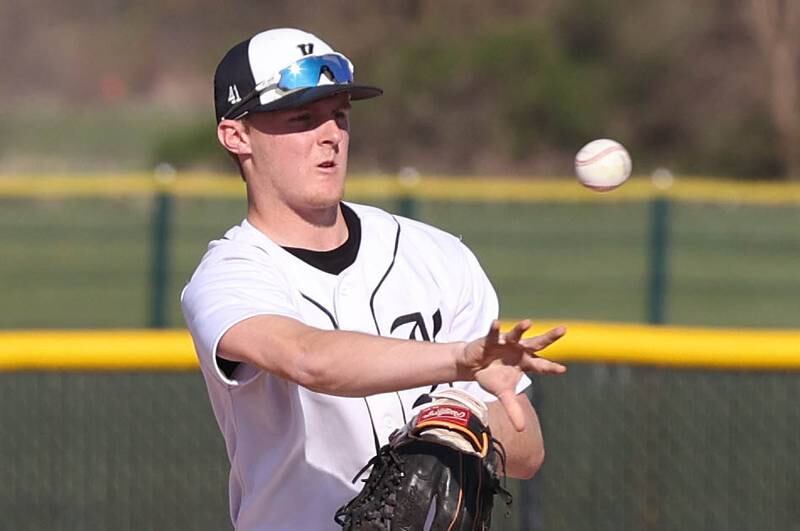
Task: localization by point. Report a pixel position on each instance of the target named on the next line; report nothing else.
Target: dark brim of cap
(312, 94)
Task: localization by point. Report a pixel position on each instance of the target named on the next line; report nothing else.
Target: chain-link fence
(627, 449)
(109, 451)
(656, 450)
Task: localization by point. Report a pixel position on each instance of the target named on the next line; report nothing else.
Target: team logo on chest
(418, 328)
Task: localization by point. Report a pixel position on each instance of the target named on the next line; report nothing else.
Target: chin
(326, 198)
(331, 189)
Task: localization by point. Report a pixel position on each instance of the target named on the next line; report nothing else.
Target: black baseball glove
(438, 472)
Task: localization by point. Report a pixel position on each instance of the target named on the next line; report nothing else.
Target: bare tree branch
(762, 18)
(793, 25)
(776, 29)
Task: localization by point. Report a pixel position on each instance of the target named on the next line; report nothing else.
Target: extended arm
(339, 362)
(355, 364)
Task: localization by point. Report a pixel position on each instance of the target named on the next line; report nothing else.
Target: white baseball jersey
(294, 452)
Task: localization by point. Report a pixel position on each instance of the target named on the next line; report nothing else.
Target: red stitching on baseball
(598, 156)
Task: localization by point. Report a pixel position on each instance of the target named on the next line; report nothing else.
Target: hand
(497, 362)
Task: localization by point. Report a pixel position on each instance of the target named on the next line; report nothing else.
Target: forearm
(525, 449)
(354, 364)
(339, 362)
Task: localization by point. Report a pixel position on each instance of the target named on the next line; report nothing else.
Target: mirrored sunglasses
(307, 72)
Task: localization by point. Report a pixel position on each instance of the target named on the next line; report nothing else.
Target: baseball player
(320, 323)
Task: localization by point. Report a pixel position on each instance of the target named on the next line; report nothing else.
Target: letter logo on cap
(306, 49)
(233, 95)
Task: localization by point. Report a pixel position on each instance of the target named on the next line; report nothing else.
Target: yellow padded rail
(680, 347)
(107, 350)
(359, 188)
(592, 342)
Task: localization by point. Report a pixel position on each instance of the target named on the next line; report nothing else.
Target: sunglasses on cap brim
(308, 72)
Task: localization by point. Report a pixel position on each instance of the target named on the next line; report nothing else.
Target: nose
(329, 133)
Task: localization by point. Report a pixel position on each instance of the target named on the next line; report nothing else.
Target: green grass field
(85, 262)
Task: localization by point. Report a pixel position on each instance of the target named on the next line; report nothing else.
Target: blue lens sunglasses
(303, 73)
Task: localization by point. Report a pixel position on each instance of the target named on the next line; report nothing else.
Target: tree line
(505, 87)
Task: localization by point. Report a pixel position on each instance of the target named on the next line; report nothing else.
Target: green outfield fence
(690, 425)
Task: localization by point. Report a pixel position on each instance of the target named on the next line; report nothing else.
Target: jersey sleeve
(477, 308)
(226, 290)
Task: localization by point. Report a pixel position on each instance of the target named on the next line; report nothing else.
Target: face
(299, 156)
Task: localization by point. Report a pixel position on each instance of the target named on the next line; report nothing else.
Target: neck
(318, 229)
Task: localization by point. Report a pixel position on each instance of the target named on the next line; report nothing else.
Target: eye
(342, 113)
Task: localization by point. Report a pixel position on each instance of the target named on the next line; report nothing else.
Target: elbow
(528, 467)
(308, 371)
(313, 371)
(535, 463)
(305, 364)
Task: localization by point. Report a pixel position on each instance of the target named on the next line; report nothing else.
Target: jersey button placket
(342, 298)
(345, 286)
(344, 289)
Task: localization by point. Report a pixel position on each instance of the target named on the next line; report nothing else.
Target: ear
(234, 136)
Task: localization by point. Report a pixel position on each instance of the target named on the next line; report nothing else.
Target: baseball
(603, 165)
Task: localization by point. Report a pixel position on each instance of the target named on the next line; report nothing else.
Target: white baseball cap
(281, 69)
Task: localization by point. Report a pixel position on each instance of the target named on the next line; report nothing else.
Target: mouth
(328, 164)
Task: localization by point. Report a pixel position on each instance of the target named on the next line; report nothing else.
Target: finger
(493, 337)
(515, 334)
(538, 365)
(513, 409)
(543, 341)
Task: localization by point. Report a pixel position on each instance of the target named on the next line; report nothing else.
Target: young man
(319, 323)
